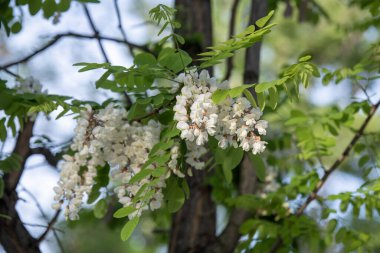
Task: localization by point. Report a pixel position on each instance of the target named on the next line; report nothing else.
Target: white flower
(258, 147)
(261, 126)
(234, 122)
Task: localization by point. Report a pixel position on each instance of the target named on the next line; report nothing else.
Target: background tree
(270, 202)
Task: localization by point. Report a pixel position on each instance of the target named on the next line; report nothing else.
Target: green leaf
(304, 58)
(161, 146)
(179, 38)
(16, 27)
(11, 163)
(237, 91)
(261, 87)
(259, 166)
(231, 159)
(145, 59)
(3, 130)
(174, 60)
(91, 66)
(247, 226)
(219, 96)
(64, 5)
(261, 101)
(34, 6)
(100, 209)
(166, 117)
(331, 226)
(49, 7)
(174, 195)
(136, 111)
(363, 160)
(124, 212)
(250, 98)
(140, 176)
(273, 97)
(128, 228)
(264, 20)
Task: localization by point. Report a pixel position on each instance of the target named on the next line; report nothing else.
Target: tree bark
(194, 226)
(14, 237)
(229, 238)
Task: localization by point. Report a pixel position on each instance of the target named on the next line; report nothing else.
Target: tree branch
(49, 156)
(231, 33)
(22, 149)
(96, 32)
(120, 26)
(328, 172)
(49, 226)
(14, 237)
(57, 38)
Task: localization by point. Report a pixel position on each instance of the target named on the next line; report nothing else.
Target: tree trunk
(194, 226)
(14, 237)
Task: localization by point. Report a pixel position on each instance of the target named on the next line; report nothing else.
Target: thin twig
(45, 216)
(42, 226)
(120, 26)
(96, 32)
(49, 226)
(231, 33)
(57, 37)
(328, 172)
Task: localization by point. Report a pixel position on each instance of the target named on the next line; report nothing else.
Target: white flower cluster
(192, 157)
(102, 137)
(29, 85)
(233, 123)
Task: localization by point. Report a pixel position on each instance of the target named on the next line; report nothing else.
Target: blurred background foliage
(337, 33)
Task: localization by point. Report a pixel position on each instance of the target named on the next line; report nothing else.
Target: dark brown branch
(49, 226)
(10, 73)
(333, 167)
(231, 33)
(57, 37)
(49, 156)
(22, 149)
(14, 237)
(120, 26)
(96, 32)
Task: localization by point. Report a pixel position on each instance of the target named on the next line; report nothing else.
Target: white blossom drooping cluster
(101, 137)
(193, 157)
(29, 85)
(235, 122)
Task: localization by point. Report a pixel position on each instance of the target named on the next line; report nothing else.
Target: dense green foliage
(305, 142)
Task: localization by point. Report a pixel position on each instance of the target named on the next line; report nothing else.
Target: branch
(96, 32)
(11, 73)
(49, 226)
(45, 217)
(231, 33)
(42, 226)
(22, 149)
(57, 37)
(120, 26)
(328, 172)
(49, 156)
